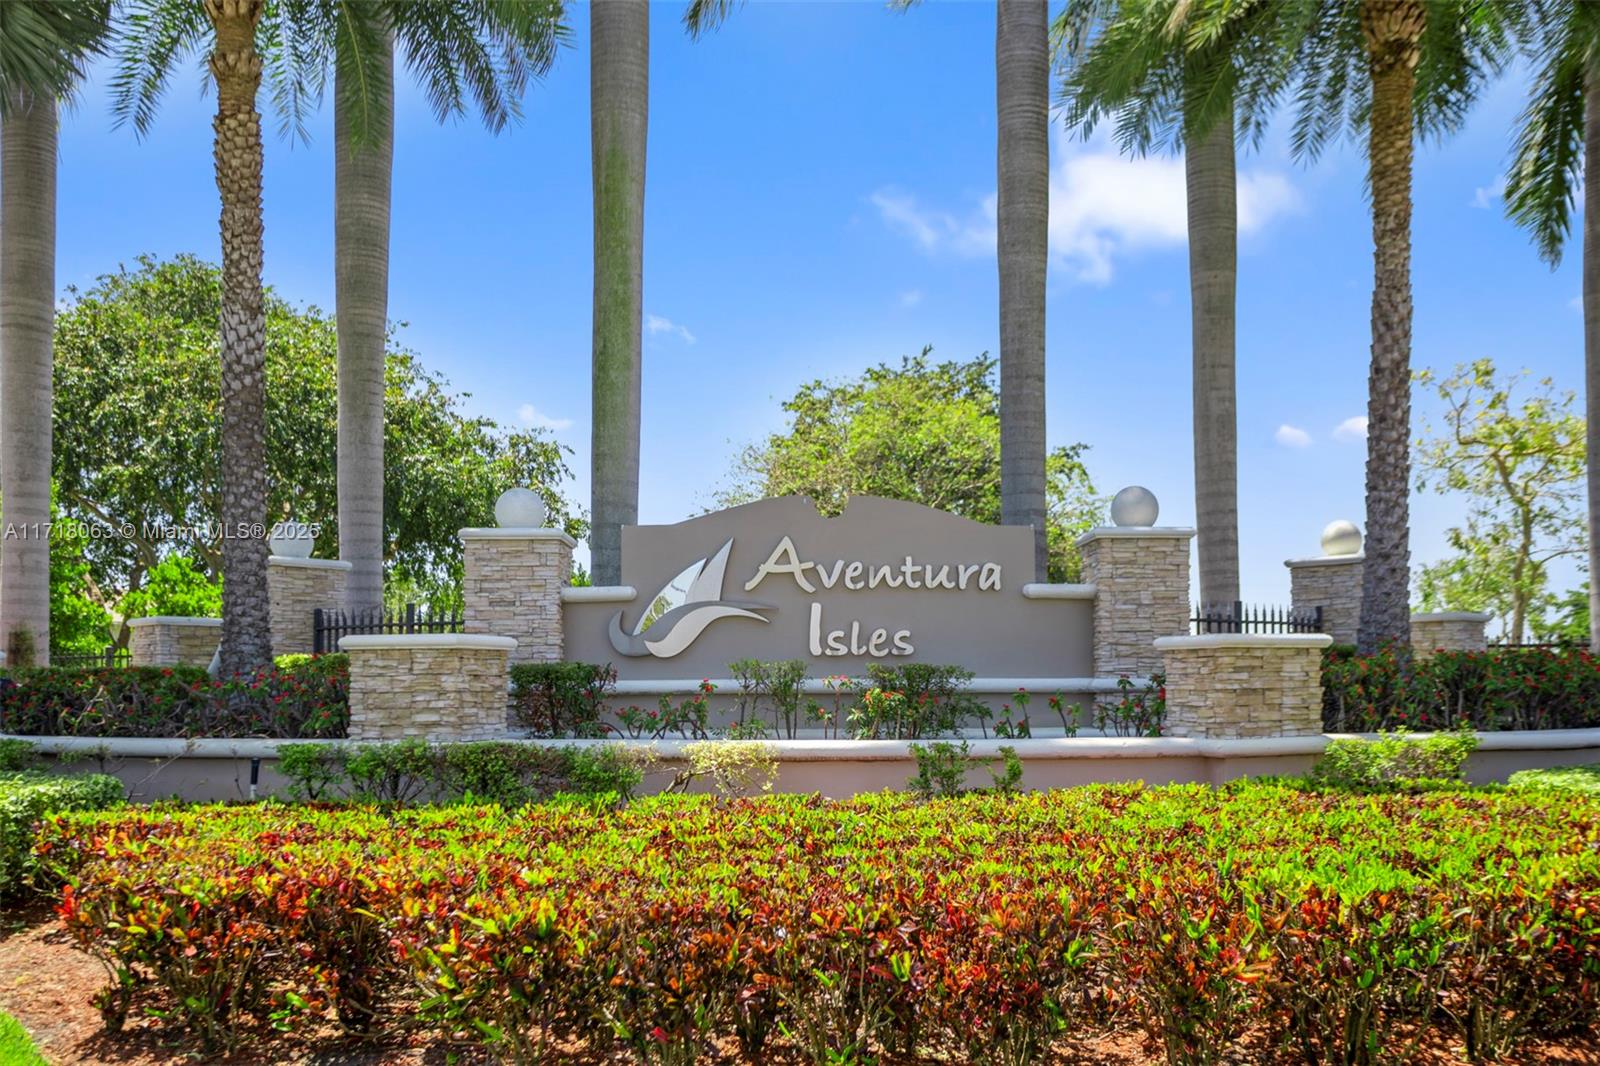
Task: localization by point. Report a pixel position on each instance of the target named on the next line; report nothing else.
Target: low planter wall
(209, 769)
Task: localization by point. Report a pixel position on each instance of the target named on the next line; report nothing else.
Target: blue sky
(818, 200)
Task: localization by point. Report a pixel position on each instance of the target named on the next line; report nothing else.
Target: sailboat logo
(683, 609)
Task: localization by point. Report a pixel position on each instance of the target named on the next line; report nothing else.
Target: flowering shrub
(27, 796)
(1502, 688)
(304, 696)
(561, 699)
(977, 929)
(1138, 713)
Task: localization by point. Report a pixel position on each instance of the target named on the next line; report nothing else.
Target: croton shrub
(980, 929)
(1501, 688)
(299, 696)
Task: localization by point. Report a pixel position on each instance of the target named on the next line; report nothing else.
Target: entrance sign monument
(886, 581)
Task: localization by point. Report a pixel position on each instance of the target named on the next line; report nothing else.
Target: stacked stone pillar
(172, 640)
(295, 589)
(1234, 685)
(1448, 631)
(1141, 580)
(434, 686)
(514, 578)
(1333, 583)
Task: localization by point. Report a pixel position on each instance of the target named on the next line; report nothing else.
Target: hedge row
(977, 930)
(1502, 688)
(301, 696)
(25, 798)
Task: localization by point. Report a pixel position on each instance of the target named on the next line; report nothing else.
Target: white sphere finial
(291, 540)
(1134, 506)
(519, 509)
(1341, 538)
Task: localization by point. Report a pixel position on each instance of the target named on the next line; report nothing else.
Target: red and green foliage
(307, 697)
(1502, 688)
(978, 929)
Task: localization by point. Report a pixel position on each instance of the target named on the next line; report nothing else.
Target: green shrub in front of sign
(413, 771)
(775, 687)
(914, 701)
(1393, 761)
(561, 699)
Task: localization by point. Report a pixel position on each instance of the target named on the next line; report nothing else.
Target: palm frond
(1548, 152)
(152, 38)
(44, 45)
(702, 16)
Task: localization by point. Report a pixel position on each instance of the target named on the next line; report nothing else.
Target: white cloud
(1352, 428)
(911, 298)
(659, 324)
(1292, 436)
(532, 416)
(1484, 196)
(1102, 204)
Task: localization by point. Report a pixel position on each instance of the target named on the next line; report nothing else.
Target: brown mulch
(46, 984)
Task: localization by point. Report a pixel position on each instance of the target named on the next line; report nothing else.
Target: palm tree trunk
(619, 81)
(236, 69)
(1213, 279)
(1393, 30)
(363, 173)
(1591, 335)
(1022, 104)
(27, 317)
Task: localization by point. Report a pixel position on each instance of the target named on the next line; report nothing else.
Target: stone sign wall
(886, 582)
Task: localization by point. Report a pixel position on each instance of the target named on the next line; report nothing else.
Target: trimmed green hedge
(27, 797)
(1502, 688)
(302, 696)
(1562, 778)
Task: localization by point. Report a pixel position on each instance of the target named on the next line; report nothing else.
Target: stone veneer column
(1448, 631)
(295, 588)
(1332, 582)
(514, 578)
(1141, 580)
(1244, 684)
(436, 686)
(171, 640)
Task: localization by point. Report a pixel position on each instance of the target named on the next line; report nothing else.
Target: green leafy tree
(175, 586)
(137, 425)
(922, 431)
(79, 624)
(1518, 457)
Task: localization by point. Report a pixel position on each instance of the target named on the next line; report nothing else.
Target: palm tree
(456, 48)
(619, 82)
(1141, 68)
(1557, 150)
(1022, 106)
(43, 46)
(156, 35)
(1389, 69)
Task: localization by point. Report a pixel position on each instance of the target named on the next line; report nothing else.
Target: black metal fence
(111, 656)
(1239, 617)
(327, 626)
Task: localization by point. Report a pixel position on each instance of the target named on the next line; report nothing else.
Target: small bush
(561, 699)
(914, 701)
(1393, 761)
(1502, 688)
(942, 769)
(27, 797)
(309, 698)
(413, 771)
(17, 755)
(1560, 778)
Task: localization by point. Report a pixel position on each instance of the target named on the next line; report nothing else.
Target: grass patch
(1564, 778)
(16, 1047)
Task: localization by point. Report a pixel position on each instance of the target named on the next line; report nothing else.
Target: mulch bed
(46, 984)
